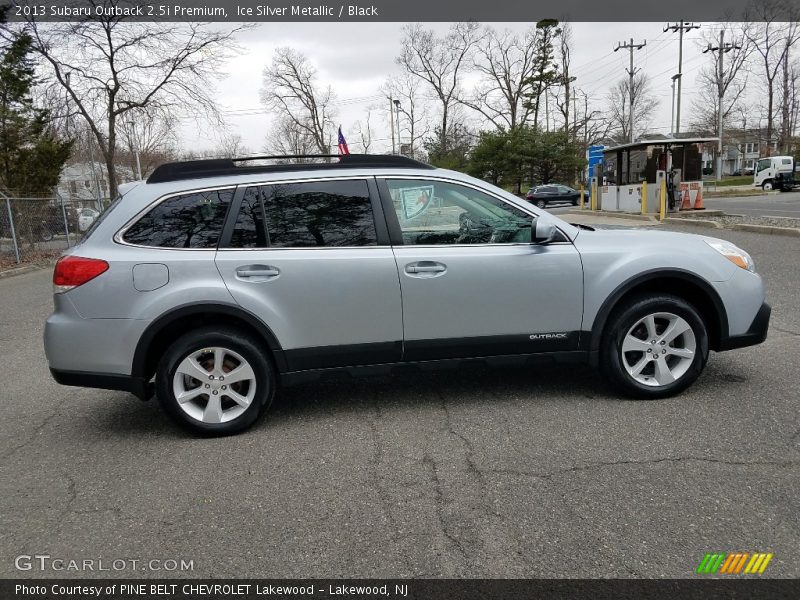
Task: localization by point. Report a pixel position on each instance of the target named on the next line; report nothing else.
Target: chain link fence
(37, 230)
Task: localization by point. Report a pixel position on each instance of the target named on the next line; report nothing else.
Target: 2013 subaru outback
(215, 281)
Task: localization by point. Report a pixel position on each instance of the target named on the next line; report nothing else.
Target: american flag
(343, 149)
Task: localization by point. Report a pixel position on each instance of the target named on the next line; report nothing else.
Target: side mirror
(543, 233)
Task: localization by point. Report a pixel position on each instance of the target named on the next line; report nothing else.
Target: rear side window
(324, 213)
(189, 221)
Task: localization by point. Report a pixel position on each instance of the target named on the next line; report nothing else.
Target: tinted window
(441, 213)
(190, 221)
(248, 232)
(322, 213)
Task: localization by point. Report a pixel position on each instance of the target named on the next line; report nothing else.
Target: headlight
(734, 254)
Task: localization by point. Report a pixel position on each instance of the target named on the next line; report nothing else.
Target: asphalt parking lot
(474, 473)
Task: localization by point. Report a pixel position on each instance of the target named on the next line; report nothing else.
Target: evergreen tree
(31, 154)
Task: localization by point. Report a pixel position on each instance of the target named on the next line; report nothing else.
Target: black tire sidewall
(541, 203)
(623, 320)
(231, 339)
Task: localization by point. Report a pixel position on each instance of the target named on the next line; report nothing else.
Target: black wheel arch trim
(613, 299)
(138, 368)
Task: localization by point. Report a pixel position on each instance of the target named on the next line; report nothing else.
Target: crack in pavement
(578, 468)
(787, 331)
(383, 496)
(31, 437)
(440, 502)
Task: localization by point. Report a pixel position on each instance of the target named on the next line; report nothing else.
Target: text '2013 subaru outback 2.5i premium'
(215, 282)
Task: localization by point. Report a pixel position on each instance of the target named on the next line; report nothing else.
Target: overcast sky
(356, 58)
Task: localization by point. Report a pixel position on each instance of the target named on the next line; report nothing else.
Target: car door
(566, 194)
(312, 260)
(472, 283)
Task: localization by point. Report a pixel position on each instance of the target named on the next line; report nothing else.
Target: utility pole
(631, 72)
(397, 114)
(391, 123)
(672, 131)
(680, 28)
(721, 50)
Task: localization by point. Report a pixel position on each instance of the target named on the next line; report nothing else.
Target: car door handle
(257, 271)
(425, 269)
(432, 269)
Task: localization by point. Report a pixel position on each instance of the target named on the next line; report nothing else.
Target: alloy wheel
(658, 349)
(214, 385)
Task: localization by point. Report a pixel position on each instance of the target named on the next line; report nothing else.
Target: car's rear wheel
(654, 346)
(541, 203)
(215, 381)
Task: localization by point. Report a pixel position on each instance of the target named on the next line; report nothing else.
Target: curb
(608, 213)
(690, 214)
(770, 229)
(20, 270)
(695, 222)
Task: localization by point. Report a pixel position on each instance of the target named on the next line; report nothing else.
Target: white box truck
(775, 173)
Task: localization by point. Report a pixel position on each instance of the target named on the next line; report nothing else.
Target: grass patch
(728, 181)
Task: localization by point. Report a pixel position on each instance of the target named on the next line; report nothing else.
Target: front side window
(764, 163)
(319, 214)
(442, 213)
(192, 220)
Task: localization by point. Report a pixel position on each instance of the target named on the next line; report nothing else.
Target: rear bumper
(756, 333)
(106, 381)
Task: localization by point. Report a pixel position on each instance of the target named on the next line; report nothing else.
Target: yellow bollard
(581, 199)
(644, 197)
(593, 197)
(663, 209)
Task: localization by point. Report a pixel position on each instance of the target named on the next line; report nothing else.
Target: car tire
(574, 202)
(631, 340)
(541, 203)
(201, 360)
(767, 185)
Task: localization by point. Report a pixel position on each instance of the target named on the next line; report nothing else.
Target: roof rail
(218, 167)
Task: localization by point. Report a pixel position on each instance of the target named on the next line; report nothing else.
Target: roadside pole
(66, 223)
(663, 194)
(644, 197)
(583, 189)
(13, 232)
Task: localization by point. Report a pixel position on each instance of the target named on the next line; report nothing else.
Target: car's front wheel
(215, 381)
(654, 346)
(767, 185)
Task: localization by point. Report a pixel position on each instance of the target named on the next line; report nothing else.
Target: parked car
(213, 284)
(86, 217)
(544, 195)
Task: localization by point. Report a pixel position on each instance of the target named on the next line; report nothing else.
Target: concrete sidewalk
(586, 217)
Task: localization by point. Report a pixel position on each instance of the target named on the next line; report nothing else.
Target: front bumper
(756, 333)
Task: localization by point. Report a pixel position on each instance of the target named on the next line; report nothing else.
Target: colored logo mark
(734, 563)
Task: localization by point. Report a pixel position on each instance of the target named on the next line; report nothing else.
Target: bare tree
(364, 133)
(563, 93)
(230, 145)
(152, 132)
(110, 66)
(644, 106)
(505, 62)
(287, 137)
(440, 63)
(290, 89)
(772, 38)
(415, 125)
(730, 84)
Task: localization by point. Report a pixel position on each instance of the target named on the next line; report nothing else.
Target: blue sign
(595, 157)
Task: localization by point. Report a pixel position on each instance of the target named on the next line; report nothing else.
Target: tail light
(72, 271)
